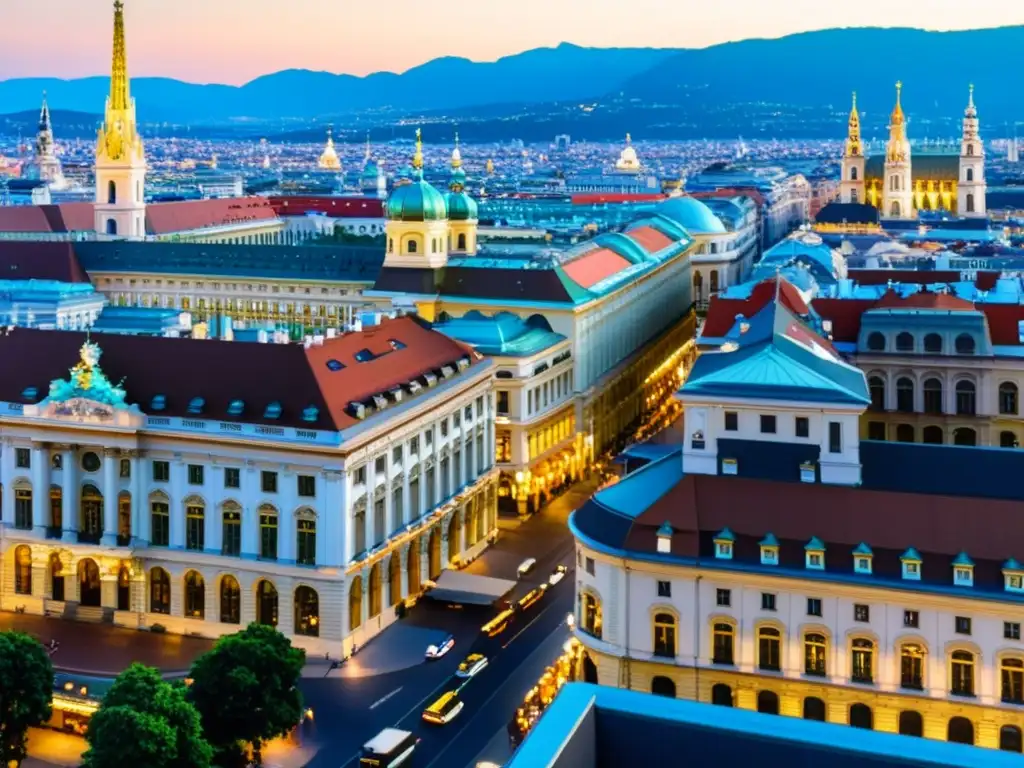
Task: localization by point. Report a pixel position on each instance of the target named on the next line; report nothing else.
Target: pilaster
(70, 492)
(40, 487)
(111, 459)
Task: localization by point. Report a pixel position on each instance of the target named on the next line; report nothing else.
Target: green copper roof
(504, 334)
(815, 545)
(1012, 565)
(725, 535)
(666, 529)
(963, 559)
(769, 541)
(863, 549)
(416, 201)
(911, 555)
(691, 214)
(462, 207)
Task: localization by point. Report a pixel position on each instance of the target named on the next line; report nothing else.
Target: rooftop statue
(87, 381)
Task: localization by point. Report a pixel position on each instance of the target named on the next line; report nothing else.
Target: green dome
(458, 178)
(370, 171)
(461, 207)
(416, 201)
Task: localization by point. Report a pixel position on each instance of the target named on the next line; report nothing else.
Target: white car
(439, 650)
(557, 575)
(525, 567)
(471, 665)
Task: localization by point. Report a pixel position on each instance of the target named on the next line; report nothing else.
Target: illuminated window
(961, 673)
(1012, 680)
(815, 648)
(862, 660)
(769, 643)
(912, 666)
(665, 635)
(723, 643)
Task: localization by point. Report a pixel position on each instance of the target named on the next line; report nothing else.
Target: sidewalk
(497, 751)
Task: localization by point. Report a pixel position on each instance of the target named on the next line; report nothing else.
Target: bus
(497, 625)
(444, 709)
(391, 747)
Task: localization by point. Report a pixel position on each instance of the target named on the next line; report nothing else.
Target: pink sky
(233, 41)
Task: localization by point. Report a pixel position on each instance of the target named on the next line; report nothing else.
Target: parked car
(557, 575)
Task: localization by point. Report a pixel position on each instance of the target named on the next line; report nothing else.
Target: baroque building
(315, 495)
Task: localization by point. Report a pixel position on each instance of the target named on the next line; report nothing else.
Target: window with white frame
(963, 576)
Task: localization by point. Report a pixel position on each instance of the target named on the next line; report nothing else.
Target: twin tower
(900, 187)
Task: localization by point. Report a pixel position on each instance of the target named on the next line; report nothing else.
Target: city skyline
(231, 43)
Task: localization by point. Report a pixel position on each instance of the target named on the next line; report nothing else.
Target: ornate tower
(851, 188)
(463, 212)
(120, 209)
(970, 188)
(417, 220)
(897, 184)
(329, 160)
(373, 181)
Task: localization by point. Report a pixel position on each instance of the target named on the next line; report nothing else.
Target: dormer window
(30, 393)
(807, 473)
(311, 413)
(273, 411)
(195, 405)
(1013, 576)
(724, 542)
(911, 565)
(665, 538)
(158, 403)
(862, 558)
(236, 407)
(963, 571)
(814, 554)
(769, 550)
(730, 467)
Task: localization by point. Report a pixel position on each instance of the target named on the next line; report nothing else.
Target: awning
(469, 589)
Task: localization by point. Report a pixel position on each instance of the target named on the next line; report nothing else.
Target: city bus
(391, 747)
(444, 709)
(497, 625)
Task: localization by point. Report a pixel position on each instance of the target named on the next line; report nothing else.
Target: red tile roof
(24, 218)
(189, 215)
(650, 238)
(595, 266)
(340, 207)
(221, 372)
(844, 314)
(923, 300)
(31, 260)
(78, 217)
(1003, 322)
(722, 312)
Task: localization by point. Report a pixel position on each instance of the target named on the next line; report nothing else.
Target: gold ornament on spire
(897, 117)
(456, 153)
(119, 136)
(854, 147)
(898, 147)
(119, 96)
(417, 159)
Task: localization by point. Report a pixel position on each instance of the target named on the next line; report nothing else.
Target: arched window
(965, 436)
(1008, 440)
(905, 395)
(876, 342)
(961, 667)
(355, 604)
(814, 709)
(911, 723)
(970, 203)
(413, 246)
(665, 635)
(376, 591)
(1010, 739)
(111, 193)
(56, 577)
(160, 521)
(933, 396)
(965, 398)
(461, 241)
(904, 342)
(876, 385)
(195, 524)
(698, 286)
(912, 666)
(970, 153)
(862, 659)
(92, 513)
(230, 600)
(723, 642)
(231, 529)
(895, 209)
(305, 538)
(266, 603)
(433, 245)
(960, 731)
(23, 570)
(1008, 402)
(1011, 672)
(111, 227)
(853, 173)
(307, 612)
(904, 433)
(965, 344)
(970, 171)
(195, 596)
(769, 642)
(124, 518)
(861, 717)
(768, 702)
(933, 343)
(815, 649)
(721, 695)
(268, 532)
(395, 577)
(663, 686)
(590, 614)
(713, 283)
(159, 591)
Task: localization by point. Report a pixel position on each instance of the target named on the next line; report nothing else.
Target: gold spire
(971, 110)
(897, 116)
(854, 148)
(456, 153)
(417, 159)
(119, 98)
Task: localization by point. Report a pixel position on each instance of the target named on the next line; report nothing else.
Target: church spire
(366, 157)
(854, 148)
(971, 110)
(45, 126)
(456, 153)
(417, 159)
(119, 98)
(897, 118)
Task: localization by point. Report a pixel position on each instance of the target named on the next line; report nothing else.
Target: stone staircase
(95, 615)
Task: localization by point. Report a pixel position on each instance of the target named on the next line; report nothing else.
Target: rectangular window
(126, 468)
(23, 458)
(414, 445)
(767, 424)
(456, 419)
(380, 465)
(161, 524)
(444, 428)
(767, 601)
(732, 421)
(195, 529)
(814, 606)
(268, 535)
(664, 589)
(479, 407)
(962, 625)
(911, 619)
(396, 455)
(232, 477)
(589, 566)
(307, 486)
(1011, 630)
(876, 430)
(23, 510)
(835, 437)
(467, 413)
(861, 612)
(803, 426)
(428, 438)
(161, 471)
(723, 597)
(195, 474)
(502, 406)
(268, 481)
(231, 532)
(305, 553)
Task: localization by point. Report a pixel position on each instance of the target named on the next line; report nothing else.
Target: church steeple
(44, 118)
(854, 146)
(417, 158)
(119, 93)
(898, 188)
(851, 186)
(971, 188)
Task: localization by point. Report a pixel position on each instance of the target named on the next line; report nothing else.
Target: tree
(144, 720)
(246, 689)
(26, 688)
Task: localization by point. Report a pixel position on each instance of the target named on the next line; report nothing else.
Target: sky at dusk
(233, 41)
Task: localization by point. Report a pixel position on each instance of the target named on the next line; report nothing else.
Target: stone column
(389, 513)
(69, 495)
(111, 459)
(40, 489)
(140, 506)
(286, 527)
(365, 602)
(330, 534)
(250, 514)
(371, 504)
(7, 461)
(177, 508)
(40, 563)
(403, 554)
(406, 502)
(424, 559)
(108, 589)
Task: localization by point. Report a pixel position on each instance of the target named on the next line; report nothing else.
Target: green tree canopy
(26, 688)
(246, 688)
(148, 709)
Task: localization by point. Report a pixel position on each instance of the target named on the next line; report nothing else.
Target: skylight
(236, 407)
(396, 344)
(273, 411)
(364, 356)
(334, 365)
(158, 403)
(196, 405)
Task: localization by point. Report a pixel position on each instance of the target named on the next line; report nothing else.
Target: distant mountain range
(788, 87)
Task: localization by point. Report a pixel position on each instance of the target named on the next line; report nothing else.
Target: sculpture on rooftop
(87, 381)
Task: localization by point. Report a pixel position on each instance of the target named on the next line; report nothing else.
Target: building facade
(201, 505)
